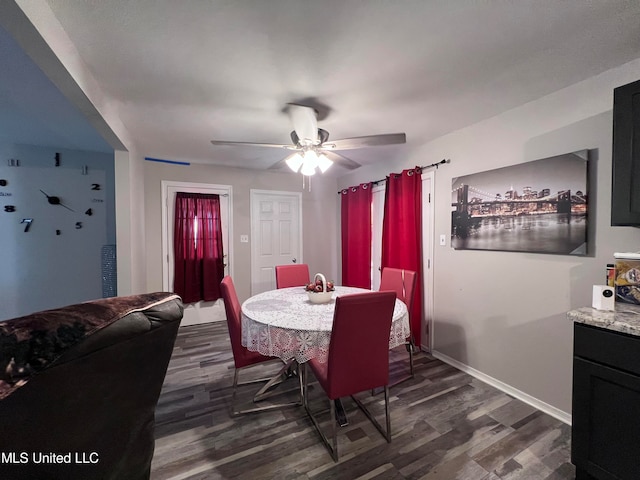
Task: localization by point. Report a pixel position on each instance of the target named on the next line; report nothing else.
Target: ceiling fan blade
(368, 141)
(251, 144)
(342, 160)
(305, 123)
(278, 165)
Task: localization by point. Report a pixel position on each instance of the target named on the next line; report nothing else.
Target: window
(198, 252)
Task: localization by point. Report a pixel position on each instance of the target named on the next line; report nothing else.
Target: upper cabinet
(625, 195)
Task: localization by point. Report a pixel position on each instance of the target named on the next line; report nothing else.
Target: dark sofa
(79, 386)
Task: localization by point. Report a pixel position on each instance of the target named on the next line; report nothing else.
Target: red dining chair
(294, 275)
(358, 357)
(242, 357)
(403, 282)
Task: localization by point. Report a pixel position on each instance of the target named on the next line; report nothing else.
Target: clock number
(78, 225)
(3, 182)
(57, 157)
(95, 186)
(28, 223)
(89, 212)
(9, 208)
(57, 232)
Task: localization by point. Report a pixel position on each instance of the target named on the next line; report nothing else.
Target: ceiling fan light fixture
(324, 163)
(294, 162)
(311, 157)
(308, 167)
(311, 161)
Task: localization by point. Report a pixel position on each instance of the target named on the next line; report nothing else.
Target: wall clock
(51, 201)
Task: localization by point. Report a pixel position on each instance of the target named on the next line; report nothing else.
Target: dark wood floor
(445, 425)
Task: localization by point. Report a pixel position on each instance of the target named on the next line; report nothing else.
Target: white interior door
(199, 312)
(276, 230)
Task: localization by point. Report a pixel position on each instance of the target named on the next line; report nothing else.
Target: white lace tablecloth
(284, 323)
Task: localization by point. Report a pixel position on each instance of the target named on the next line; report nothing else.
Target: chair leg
(386, 413)
(410, 345)
(305, 382)
(386, 434)
(235, 387)
(302, 377)
(332, 445)
(334, 425)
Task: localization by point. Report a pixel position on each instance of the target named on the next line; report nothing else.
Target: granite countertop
(625, 318)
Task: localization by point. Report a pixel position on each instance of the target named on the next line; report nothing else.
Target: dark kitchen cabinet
(625, 193)
(605, 442)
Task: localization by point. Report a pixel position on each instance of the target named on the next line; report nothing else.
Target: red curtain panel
(402, 234)
(356, 235)
(197, 244)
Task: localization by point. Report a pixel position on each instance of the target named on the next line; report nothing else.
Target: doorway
(199, 312)
(276, 231)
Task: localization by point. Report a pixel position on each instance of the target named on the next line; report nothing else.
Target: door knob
(294, 260)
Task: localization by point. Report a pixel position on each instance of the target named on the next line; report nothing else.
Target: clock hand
(46, 195)
(63, 205)
(53, 200)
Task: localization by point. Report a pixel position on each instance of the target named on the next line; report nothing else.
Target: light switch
(244, 238)
(443, 240)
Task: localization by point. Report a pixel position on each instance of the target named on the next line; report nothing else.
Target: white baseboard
(508, 389)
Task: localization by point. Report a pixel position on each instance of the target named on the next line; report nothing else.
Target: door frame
(166, 242)
(428, 232)
(253, 195)
(376, 240)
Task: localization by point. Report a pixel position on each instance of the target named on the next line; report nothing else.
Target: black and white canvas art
(538, 207)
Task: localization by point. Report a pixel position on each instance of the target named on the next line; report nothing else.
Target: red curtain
(402, 234)
(197, 244)
(356, 235)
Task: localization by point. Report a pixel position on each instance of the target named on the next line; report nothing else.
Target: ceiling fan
(311, 146)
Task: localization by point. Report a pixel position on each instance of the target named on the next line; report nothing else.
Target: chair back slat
(294, 275)
(359, 349)
(233, 311)
(401, 281)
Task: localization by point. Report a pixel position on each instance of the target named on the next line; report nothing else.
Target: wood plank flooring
(446, 425)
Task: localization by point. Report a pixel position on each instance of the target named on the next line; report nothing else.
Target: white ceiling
(185, 72)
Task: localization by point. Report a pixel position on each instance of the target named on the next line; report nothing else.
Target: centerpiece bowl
(320, 291)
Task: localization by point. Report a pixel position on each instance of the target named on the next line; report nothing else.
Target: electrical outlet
(244, 238)
(443, 240)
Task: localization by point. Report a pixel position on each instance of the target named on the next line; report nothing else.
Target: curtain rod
(437, 164)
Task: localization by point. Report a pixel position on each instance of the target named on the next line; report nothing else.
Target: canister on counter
(627, 277)
(611, 275)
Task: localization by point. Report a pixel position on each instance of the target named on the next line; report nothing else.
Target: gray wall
(319, 221)
(42, 270)
(503, 314)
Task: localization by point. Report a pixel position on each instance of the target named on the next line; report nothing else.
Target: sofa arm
(32, 343)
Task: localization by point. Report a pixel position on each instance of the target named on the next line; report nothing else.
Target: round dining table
(284, 323)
